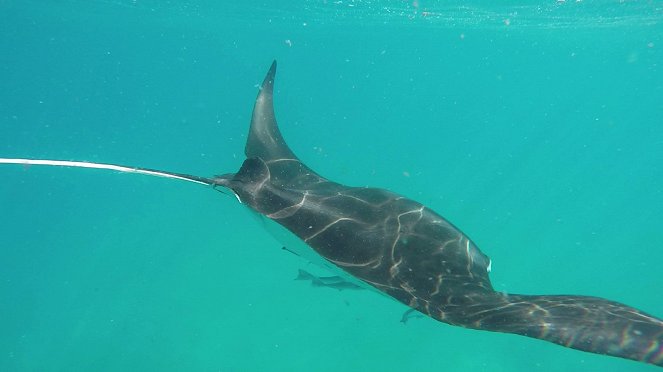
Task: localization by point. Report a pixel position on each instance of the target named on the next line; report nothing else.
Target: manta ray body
(403, 249)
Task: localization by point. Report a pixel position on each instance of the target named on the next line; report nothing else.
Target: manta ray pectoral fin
(265, 140)
(585, 323)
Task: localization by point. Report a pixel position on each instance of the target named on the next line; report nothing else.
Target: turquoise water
(535, 127)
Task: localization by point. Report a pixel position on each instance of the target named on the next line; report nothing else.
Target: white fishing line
(119, 168)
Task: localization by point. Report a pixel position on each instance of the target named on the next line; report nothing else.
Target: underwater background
(534, 126)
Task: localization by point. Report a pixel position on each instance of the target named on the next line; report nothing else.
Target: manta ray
(404, 250)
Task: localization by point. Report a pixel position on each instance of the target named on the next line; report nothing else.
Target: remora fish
(335, 282)
(405, 250)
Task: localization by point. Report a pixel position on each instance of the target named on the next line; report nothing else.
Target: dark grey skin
(414, 255)
(410, 253)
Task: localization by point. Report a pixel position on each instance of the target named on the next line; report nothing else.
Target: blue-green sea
(536, 127)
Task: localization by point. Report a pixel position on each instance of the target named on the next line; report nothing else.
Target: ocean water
(536, 127)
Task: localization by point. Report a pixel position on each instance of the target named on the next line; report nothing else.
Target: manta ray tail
(585, 323)
(113, 167)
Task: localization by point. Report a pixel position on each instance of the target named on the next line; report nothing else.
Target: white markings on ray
(410, 290)
(536, 307)
(470, 259)
(645, 318)
(348, 264)
(280, 160)
(262, 183)
(394, 269)
(389, 200)
(441, 248)
(381, 285)
(236, 196)
(497, 309)
(353, 197)
(438, 283)
(328, 226)
(289, 211)
(119, 168)
(378, 261)
(398, 235)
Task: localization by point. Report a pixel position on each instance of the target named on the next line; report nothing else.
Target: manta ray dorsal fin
(265, 140)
